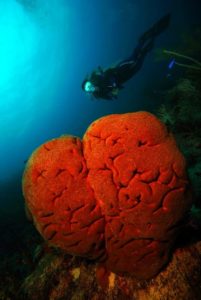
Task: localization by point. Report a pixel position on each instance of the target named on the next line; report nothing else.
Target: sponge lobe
(120, 195)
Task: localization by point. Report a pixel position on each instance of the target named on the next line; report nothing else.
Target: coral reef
(190, 62)
(48, 273)
(181, 112)
(59, 276)
(188, 45)
(181, 108)
(119, 196)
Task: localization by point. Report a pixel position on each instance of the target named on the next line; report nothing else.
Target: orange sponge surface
(120, 195)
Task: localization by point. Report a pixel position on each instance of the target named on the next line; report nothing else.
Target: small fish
(171, 64)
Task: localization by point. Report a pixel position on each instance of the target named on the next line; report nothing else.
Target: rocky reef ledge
(59, 276)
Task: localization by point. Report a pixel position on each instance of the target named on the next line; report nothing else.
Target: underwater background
(47, 47)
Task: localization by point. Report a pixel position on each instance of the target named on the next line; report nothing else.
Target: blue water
(47, 47)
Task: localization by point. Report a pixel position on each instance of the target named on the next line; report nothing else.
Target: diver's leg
(142, 49)
(130, 66)
(156, 29)
(146, 42)
(143, 46)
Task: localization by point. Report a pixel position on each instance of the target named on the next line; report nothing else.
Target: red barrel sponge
(120, 195)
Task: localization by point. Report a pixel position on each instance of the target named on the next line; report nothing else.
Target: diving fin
(156, 29)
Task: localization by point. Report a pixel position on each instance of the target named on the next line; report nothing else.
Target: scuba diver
(106, 83)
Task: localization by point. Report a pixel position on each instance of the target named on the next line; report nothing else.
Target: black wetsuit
(113, 78)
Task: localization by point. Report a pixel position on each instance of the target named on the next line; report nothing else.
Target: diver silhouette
(106, 83)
